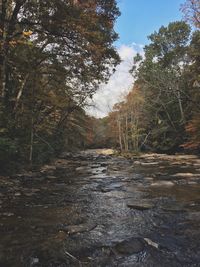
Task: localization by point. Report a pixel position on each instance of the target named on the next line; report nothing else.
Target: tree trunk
(126, 134)
(180, 106)
(119, 134)
(31, 143)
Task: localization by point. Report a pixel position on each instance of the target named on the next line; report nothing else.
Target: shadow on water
(93, 209)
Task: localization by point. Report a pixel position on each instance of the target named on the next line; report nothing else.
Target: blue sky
(139, 18)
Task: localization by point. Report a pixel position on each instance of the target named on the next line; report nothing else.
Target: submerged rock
(80, 228)
(130, 246)
(186, 175)
(142, 206)
(173, 208)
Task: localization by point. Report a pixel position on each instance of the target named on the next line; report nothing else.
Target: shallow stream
(91, 209)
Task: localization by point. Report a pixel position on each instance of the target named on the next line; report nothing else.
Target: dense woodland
(54, 55)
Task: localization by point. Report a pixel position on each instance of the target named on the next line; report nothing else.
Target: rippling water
(90, 209)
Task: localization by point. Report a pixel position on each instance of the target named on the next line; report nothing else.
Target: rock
(113, 168)
(149, 178)
(48, 169)
(17, 194)
(151, 243)
(130, 246)
(105, 190)
(186, 175)
(34, 261)
(80, 228)
(29, 194)
(137, 162)
(163, 183)
(66, 155)
(103, 164)
(94, 166)
(8, 214)
(51, 177)
(83, 169)
(149, 163)
(107, 152)
(142, 206)
(173, 208)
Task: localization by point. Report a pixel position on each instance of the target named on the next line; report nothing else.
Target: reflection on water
(90, 209)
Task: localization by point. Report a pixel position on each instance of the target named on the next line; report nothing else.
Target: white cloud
(119, 84)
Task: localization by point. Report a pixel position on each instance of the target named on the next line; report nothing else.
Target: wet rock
(149, 178)
(149, 163)
(186, 175)
(192, 182)
(137, 162)
(142, 206)
(103, 164)
(27, 175)
(173, 208)
(130, 246)
(163, 183)
(105, 190)
(66, 155)
(61, 236)
(94, 166)
(107, 152)
(80, 228)
(48, 169)
(8, 214)
(34, 261)
(17, 194)
(83, 169)
(113, 168)
(29, 194)
(50, 177)
(151, 243)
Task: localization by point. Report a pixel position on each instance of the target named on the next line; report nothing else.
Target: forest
(83, 191)
(54, 57)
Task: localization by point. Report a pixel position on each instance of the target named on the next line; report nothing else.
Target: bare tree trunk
(126, 133)
(3, 47)
(119, 133)
(180, 106)
(20, 92)
(31, 142)
(124, 140)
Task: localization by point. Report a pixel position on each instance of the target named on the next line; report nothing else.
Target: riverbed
(95, 209)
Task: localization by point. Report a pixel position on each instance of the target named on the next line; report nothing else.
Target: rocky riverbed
(94, 209)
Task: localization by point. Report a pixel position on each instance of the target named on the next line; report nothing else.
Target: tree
(161, 78)
(193, 80)
(53, 56)
(127, 122)
(191, 9)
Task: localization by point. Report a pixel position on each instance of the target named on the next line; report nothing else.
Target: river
(95, 209)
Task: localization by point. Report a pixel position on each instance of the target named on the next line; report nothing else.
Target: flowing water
(91, 209)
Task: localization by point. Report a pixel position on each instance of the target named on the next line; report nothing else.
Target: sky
(139, 18)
